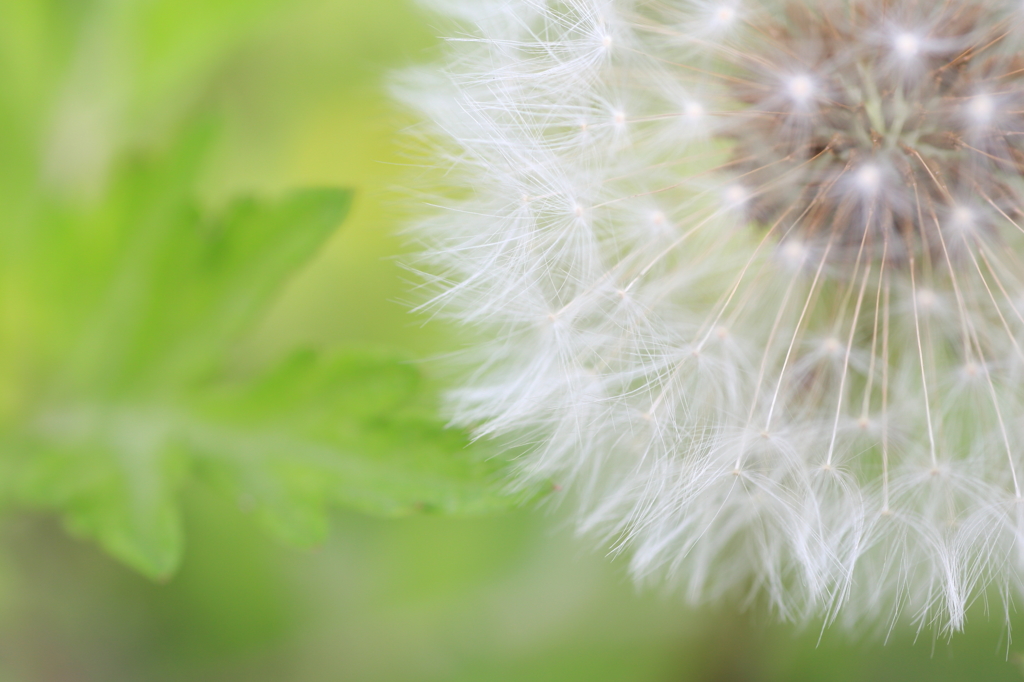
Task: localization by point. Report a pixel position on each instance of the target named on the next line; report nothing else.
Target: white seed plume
(750, 279)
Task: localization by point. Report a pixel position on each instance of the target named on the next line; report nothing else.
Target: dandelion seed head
(752, 276)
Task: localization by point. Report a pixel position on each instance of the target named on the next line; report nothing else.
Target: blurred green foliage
(279, 368)
(122, 306)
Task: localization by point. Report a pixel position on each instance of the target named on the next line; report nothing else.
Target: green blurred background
(299, 87)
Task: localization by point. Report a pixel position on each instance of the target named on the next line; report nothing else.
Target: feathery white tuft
(750, 279)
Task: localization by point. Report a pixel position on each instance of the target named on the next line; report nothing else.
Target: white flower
(750, 279)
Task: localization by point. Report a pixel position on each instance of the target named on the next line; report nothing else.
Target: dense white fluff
(749, 279)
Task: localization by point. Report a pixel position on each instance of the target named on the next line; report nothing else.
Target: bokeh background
(299, 88)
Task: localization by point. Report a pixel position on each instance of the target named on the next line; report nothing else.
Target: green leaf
(118, 322)
(343, 430)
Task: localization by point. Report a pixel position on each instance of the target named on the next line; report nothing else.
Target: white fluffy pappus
(749, 279)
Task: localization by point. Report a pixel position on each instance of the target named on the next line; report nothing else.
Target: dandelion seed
(869, 178)
(981, 109)
(735, 195)
(725, 16)
(774, 346)
(907, 45)
(801, 88)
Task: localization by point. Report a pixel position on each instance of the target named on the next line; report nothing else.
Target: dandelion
(750, 281)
